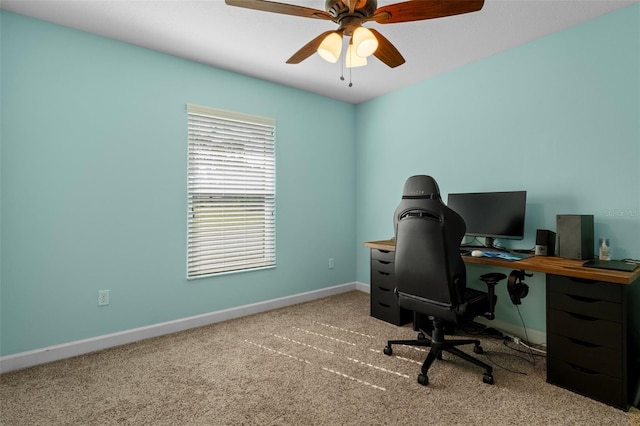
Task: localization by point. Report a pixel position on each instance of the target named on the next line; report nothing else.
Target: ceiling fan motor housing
(338, 9)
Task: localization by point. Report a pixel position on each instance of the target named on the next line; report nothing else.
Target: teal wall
(558, 117)
(93, 168)
(94, 183)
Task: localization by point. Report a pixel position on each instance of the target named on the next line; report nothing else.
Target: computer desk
(545, 264)
(593, 343)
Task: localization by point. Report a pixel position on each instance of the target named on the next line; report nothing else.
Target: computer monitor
(491, 214)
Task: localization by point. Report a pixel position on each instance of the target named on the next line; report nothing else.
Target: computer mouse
(476, 253)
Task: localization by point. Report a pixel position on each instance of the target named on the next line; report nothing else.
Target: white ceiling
(258, 43)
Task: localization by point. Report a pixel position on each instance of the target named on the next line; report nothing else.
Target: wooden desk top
(545, 264)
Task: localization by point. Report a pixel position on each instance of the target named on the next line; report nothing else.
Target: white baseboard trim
(366, 288)
(80, 347)
(532, 336)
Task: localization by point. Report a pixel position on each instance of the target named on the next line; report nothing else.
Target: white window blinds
(231, 199)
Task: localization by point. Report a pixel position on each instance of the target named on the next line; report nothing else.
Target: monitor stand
(488, 241)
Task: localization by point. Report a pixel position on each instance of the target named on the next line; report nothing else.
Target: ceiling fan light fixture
(351, 14)
(331, 47)
(353, 60)
(365, 42)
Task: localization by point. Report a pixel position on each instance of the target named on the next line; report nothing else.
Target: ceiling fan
(350, 15)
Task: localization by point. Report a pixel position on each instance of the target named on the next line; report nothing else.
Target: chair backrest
(430, 274)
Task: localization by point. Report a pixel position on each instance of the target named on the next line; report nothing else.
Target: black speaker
(517, 288)
(575, 236)
(545, 243)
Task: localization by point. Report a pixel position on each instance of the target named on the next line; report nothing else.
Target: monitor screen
(492, 214)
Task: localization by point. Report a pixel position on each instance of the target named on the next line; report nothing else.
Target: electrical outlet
(332, 263)
(103, 297)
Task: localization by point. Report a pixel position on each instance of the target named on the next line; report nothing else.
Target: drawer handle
(384, 289)
(582, 369)
(582, 317)
(384, 305)
(581, 343)
(384, 251)
(384, 273)
(384, 262)
(582, 298)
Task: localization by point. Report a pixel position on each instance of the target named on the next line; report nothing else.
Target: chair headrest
(421, 186)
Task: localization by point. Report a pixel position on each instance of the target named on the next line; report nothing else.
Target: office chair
(431, 276)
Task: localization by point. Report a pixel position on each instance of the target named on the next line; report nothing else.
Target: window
(231, 192)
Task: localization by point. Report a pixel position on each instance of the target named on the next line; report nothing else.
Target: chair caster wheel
(421, 336)
(478, 349)
(387, 350)
(423, 379)
(487, 378)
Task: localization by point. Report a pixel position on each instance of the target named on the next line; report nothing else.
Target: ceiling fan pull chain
(342, 69)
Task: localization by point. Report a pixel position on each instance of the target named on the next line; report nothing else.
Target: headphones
(517, 288)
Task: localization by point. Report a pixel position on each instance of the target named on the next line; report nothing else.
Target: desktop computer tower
(575, 236)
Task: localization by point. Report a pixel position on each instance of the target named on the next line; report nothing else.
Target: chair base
(438, 344)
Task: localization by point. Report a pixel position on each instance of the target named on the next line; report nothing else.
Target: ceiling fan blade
(386, 51)
(417, 10)
(308, 49)
(283, 8)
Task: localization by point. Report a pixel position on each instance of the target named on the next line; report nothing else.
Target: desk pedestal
(384, 304)
(587, 350)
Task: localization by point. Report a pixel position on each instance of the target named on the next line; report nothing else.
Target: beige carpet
(318, 363)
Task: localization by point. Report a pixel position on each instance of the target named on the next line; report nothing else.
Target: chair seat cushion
(477, 303)
(472, 295)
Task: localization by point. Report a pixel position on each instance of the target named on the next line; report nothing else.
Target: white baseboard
(80, 347)
(366, 288)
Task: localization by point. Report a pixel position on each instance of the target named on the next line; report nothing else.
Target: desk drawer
(592, 384)
(595, 308)
(600, 359)
(383, 279)
(586, 329)
(390, 312)
(382, 266)
(585, 288)
(383, 294)
(383, 255)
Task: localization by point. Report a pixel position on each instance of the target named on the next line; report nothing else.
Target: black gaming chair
(431, 276)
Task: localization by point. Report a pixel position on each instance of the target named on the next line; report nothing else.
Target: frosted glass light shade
(330, 47)
(364, 41)
(353, 60)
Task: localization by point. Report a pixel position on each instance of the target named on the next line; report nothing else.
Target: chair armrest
(491, 279)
